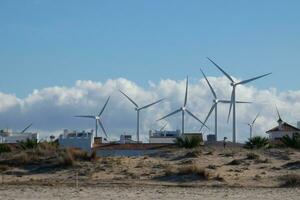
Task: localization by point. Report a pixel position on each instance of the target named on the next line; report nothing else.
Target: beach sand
(143, 192)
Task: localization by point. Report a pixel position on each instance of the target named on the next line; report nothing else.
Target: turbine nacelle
(216, 101)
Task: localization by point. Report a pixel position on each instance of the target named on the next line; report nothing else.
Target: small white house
(281, 130)
(82, 140)
(163, 137)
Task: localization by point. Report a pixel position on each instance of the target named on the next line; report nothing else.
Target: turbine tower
(233, 94)
(138, 109)
(97, 119)
(183, 109)
(251, 125)
(214, 107)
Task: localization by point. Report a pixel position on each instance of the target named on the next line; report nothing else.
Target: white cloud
(52, 109)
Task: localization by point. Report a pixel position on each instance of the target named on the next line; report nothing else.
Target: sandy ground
(213, 173)
(143, 192)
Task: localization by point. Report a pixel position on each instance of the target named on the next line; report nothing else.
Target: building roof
(284, 127)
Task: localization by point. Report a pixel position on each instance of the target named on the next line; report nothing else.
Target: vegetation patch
(252, 156)
(4, 148)
(257, 142)
(290, 180)
(292, 142)
(188, 143)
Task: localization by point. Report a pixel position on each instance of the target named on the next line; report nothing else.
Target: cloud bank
(52, 109)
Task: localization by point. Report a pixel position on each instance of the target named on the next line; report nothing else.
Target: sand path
(144, 192)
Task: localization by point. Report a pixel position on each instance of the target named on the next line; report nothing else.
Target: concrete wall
(84, 143)
(163, 140)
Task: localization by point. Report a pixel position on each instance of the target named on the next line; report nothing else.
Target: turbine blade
(252, 79)
(224, 101)
(104, 107)
(279, 116)
(102, 127)
(227, 75)
(243, 102)
(255, 118)
(163, 128)
(176, 111)
(211, 88)
(86, 116)
(186, 91)
(191, 114)
(25, 129)
(149, 105)
(129, 99)
(208, 115)
(231, 103)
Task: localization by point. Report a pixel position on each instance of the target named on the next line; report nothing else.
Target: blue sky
(45, 43)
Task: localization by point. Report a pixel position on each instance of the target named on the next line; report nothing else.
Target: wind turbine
(233, 102)
(97, 119)
(214, 107)
(252, 124)
(138, 109)
(183, 109)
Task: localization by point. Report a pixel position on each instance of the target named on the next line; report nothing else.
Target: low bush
(292, 142)
(4, 148)
(290, 180)
(257, 142)
(187, 142)
(193, 170)
(252, 156)
(29, 144)
(66, 159)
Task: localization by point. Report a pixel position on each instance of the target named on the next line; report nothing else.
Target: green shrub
(29, 144)
(188, 143)
(257, 142)
(4, 148)
(292, 142)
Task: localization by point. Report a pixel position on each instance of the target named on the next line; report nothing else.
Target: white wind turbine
(233, 102)
(138, 109)
(183, 109)
(97, 119)
(214, 107)
(251, 125)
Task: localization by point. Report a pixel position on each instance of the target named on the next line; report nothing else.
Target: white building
(82, 140)
(126, 139)
(9, 137)
(281, 130)
(163, 137)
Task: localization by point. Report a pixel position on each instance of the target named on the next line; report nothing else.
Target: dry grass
(290, 180)
(193, 170)
(252, 156)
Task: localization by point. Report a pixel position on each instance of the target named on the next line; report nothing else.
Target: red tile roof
(285, 127)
